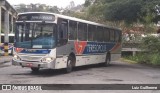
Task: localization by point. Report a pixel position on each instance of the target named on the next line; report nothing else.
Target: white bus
(10, 43)
(53, 41)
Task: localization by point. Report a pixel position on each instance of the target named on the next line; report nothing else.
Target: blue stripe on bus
(35, 51)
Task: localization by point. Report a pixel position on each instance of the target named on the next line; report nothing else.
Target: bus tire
(107, 61)
(69, 64)
(35, 69)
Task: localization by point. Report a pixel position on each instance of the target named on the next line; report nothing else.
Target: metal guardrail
(130, 45)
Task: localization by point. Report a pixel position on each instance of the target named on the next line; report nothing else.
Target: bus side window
(91, 31)
(112, 35)
(117, 36)
(72, 30)
(82, 31)
(107, 34)
(63, 29)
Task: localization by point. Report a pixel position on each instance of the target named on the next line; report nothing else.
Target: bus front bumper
(47, 65)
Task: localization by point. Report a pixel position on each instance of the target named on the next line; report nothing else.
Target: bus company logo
(6, 87)
(79, 47)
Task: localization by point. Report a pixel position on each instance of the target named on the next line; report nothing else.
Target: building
(7, 17)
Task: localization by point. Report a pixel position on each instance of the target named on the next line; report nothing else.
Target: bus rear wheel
(69, 65)
(34, 69)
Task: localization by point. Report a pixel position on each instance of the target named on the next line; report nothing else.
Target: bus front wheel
(69, 65)
(34, 69)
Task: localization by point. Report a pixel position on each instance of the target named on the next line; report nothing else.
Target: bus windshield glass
(35, 35)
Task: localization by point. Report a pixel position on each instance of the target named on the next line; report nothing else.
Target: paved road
(117, 73)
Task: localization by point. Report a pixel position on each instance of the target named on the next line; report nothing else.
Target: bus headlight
(16, 57)
(47, 59)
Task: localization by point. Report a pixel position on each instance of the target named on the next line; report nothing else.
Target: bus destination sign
(36, 17)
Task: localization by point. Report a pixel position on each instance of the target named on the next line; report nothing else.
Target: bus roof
(70, 18)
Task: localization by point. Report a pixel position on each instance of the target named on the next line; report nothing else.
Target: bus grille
(30, 58)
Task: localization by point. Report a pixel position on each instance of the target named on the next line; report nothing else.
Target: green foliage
(155, 59)
(123, 10)
(151, 44)
(37, 8)
(87, 3)
(151, 47)
(129, 11)
(140, 58)
(146, 58)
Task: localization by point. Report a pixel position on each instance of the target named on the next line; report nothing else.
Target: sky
(59, 3)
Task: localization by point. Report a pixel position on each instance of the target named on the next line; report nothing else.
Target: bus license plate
(29, 64)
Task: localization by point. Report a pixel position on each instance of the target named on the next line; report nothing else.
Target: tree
(88, 3)
(54, 9)
(129, 11)
(123, 10)
(37, 8)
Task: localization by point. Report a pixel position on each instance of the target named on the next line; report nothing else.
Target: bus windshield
(35, 35)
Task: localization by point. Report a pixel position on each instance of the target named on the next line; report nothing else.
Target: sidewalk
(4, 59)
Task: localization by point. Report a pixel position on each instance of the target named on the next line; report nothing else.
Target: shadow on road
(50, 72)
(115, 65)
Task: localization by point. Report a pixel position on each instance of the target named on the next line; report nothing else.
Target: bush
(151, 46)
(140, 58)
(155, 59)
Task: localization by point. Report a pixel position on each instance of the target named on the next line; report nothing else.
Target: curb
(4, 59)
(4, 62)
